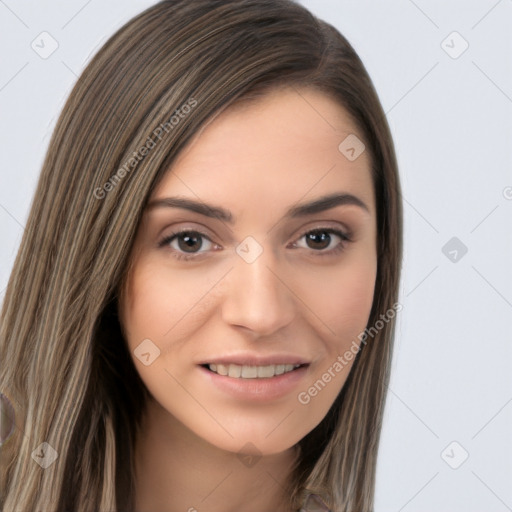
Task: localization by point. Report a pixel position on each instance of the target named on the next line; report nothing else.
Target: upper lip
(251, 359)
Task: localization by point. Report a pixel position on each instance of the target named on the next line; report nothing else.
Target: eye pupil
(189, 242)
(321, 237)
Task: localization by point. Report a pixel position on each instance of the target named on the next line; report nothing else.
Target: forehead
(279, 149)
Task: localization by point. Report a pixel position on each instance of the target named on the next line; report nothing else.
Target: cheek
(343, 303)
(165, 305)
(342, 300)
(352, 305)
(161, 312)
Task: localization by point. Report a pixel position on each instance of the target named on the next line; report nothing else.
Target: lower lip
(263, 389)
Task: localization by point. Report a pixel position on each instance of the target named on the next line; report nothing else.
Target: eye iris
(321, 237)
(189, 242)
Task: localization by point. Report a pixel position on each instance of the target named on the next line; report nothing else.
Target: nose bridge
(256, 296)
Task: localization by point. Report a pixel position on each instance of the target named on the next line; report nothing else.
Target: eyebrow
(302, 210)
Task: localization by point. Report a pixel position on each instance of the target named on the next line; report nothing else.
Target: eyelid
(164, 240)
(316, 227)
(325, 226)
(344, 234)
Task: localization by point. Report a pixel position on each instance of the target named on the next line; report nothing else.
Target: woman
(201, 312)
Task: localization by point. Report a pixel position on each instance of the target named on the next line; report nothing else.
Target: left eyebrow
(302, 210)
(325, 203)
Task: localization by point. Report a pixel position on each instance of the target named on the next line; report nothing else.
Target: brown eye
(323, 241)
(187, 242)
(318, 239)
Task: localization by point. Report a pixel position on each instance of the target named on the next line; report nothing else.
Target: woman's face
(265, 275)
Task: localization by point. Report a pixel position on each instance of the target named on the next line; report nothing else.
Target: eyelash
(187, 257)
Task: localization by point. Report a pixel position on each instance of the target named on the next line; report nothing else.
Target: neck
(176, 471)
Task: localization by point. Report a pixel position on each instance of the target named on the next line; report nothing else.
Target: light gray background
(452, 122)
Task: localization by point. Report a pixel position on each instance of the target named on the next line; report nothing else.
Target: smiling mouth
(252, 372)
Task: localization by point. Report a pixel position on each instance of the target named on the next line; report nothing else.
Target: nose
(258, 295)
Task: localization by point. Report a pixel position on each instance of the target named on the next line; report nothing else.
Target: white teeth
(248, 372)
(265, 372)
(252, 372)
(222, 369)
(235, 371)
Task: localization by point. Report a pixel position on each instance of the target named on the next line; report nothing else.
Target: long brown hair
(65, 365)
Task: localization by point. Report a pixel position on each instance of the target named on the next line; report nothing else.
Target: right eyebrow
(302, 210)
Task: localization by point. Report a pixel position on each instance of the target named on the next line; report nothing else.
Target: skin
(256, 161)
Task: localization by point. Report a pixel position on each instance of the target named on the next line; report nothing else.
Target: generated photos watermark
(304, 397)
(137, 156)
